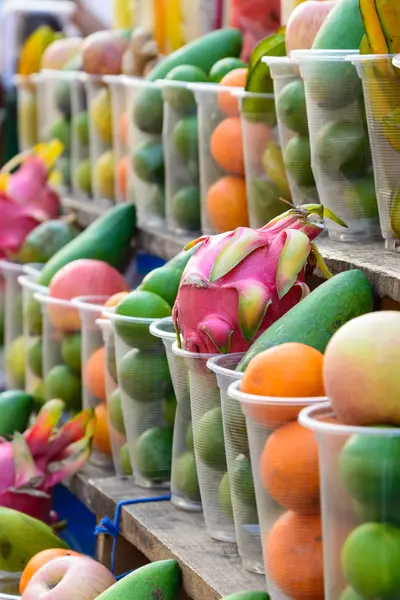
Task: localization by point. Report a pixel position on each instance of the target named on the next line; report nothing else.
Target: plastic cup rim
(368, 57)
(213, 365)
(241, 93)
(32, 269)
(124, 319)
(194, 355)
(159, 333)
(86, 304)
(27, 282)
(113, 80)
(56, 75)
(245, 398)
(46, 299)
(104, 323)
(278, 60)
(306, 420)
(11, 267)
(138, 82)
(310, 55)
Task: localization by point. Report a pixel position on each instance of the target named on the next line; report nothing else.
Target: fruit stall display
(81, 172)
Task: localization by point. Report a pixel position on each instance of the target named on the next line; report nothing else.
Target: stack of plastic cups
(340, 150)
(291, 111)
(239, 464)
(27, 111)
(266, 177)
(120, 135)
(81, 167)
(284, 458)
(100, 141)
(359, 501)
(209, 445)
(222, 166)
(14, 347)
(185, 491)
(33, 330)
(181, 151)
(146, 165)
(62, 349)
(148, 400)
(93, 360)
(380, 79)
(116, 423)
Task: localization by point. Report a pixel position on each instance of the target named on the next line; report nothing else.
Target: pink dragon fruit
(238, 283)
(33, 463)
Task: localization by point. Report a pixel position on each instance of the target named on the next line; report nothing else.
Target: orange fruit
(293, 556)
(101, 437)
(40, 559)
(95, 374)
(123, 128)
(122, 175)
(228, 103)
(226, 145)
(226, 204)
(289, 468)
(114, 300)
(256, 137)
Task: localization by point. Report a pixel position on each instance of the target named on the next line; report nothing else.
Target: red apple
(69, 578)
(305, 22)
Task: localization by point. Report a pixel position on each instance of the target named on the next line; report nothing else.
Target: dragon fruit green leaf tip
(238, 283)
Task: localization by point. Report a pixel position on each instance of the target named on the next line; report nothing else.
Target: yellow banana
(372, 26)
(33, 49)
(388, 12)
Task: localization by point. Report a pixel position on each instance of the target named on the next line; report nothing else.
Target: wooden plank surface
(210, 569)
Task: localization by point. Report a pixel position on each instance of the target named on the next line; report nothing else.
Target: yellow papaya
(373, 27)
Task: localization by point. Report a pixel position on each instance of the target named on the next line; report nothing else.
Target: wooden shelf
(159, 530)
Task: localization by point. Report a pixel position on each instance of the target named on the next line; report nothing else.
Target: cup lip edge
(252, 399)
(114, 317)
(11, 266)
(159, 333)
(26, 281)
(47, 299)
(194, 355)
(90, 307)
(213, 365)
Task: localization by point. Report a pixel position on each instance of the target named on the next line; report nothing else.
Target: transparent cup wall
(33, 336)
(116, 423)
(237, 449)
(62, 352)
(266, 177)
(14, 346)
(54, 109)
(222, 166)
(27, 111)
(284, 459)
(381, 92)
(81, 166)
(340, 149)
(146, 186)
(93, 376)
(291, 110)
(359, 500)
(147, 395)
(181, 151)
(119, 106)
(209, 446)
(185, 491)
(101, 141)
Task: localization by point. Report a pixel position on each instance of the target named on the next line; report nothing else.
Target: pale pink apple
(59, 53)
(69, 578)
(305, 22)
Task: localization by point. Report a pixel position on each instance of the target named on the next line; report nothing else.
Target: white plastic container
(81, 166)
(239, 464)
(101, 140)
(209, 445)
(291, 111)
(120, 134)
(181, 151)
(284, 460)
(340, 150)
(146, 165)
(359, 492)
(185, 491)
(27, 111)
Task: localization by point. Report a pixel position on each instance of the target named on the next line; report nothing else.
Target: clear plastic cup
(239, 464)
(148, 400)
(185, 491)
(146, 185)
(266, 177)
(119, 106)
(54, 117)
(291, 113)
(181, 151)
(222, 164)
(27, 111)
(93, 376)
(340, 149)
(284, 459)
(209, 445)
(33, 330)
(14, 346)
(359, 500)
(116, 423)
(381, 92)
(62, 352)
(101, 140)
(81, 165)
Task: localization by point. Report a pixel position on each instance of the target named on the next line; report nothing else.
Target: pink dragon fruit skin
(33, 463)
(238, 283)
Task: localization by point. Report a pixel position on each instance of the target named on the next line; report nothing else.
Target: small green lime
(235, 429)
(80, 126)
(60, 130)
(224, 66)
(164, 282)
(148, 161)
(297, 157)
(33, 316)
(71, 352)
(185, 476)
(35, 358)
(145, 377)
(291, 107)
(185, 137)
(63, 97)
(14, 362)
(83, 176)
(360, 198)
(153, 454)
(115, 413)
(124, 460)
(148, 110)
(209, 439)
(140, 305)
(63, 384)
(189, 438)
(39, 392)
(185, 208)
(179, 97)
(224, 497)
(169, 409)
(242, 483)
(342, 146)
